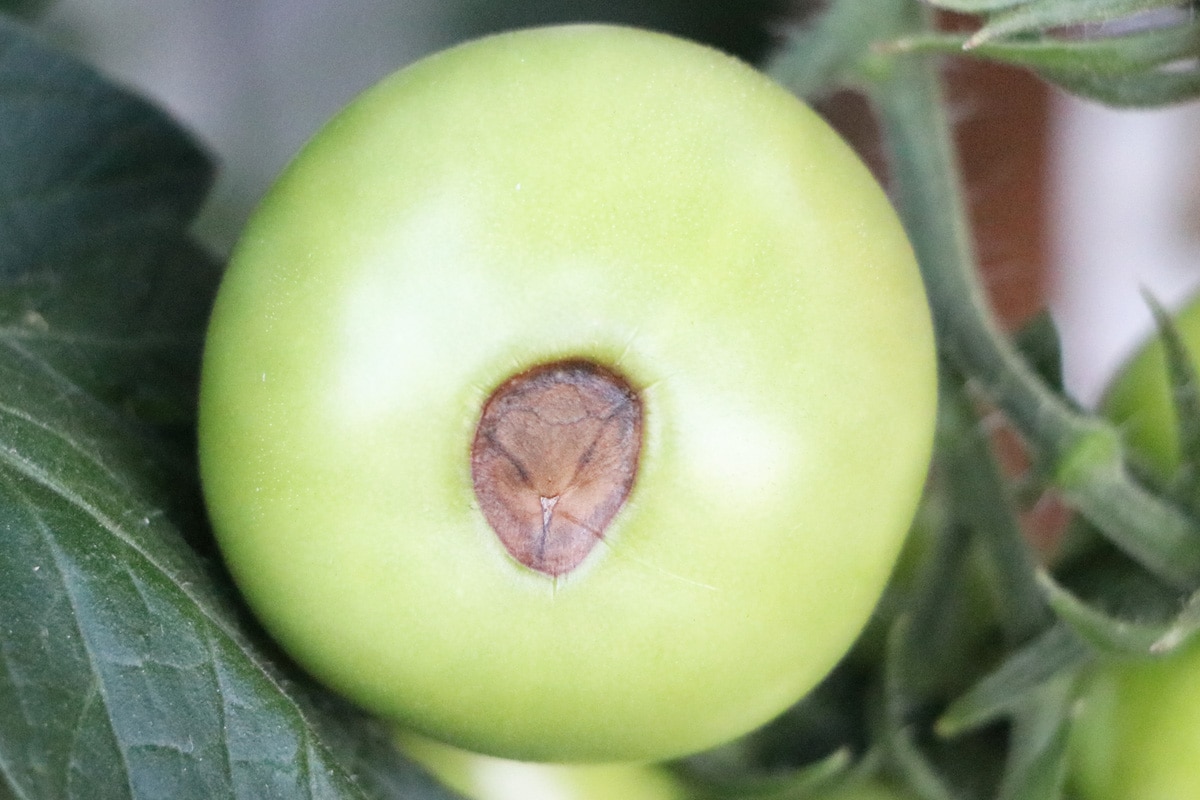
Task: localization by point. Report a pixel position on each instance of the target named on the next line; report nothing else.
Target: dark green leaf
(1043, 777)
(1142, 90)
(23, 8)
(97, 274)
(1147, 68)
(1105, 55)
(1114, 636)
(126, 669)
(946, 600)
(1185, 401)
(1042, 15)
(1055, 652)
(918, 770)
(1037, 762)
(123, 674)
(935, 614)
(828, 721)
(975, 6)
(896, 732)
(828, 51)
(1039, 342)
(1147, 527)
(980, 499)
(369, 750)
(805, 782)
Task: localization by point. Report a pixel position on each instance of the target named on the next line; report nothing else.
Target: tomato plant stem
(1083, 454)
(980, 497)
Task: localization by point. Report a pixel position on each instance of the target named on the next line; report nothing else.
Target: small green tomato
(480, 777)
(1139, 400)
(568, 398)
(867, 790)
(487, 778)
(1137, 733)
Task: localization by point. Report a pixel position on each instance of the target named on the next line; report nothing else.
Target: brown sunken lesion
(554, 457)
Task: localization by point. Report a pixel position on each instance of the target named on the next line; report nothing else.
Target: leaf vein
(59, 565)
(14, 458)
(218, 625)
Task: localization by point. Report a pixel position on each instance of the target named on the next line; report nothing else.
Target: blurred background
(1075, 205)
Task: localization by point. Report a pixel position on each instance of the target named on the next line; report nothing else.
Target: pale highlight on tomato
(1136, 734)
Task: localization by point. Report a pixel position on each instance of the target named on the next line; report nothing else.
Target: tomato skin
(1137, 736)
(583, 192)
(1139, 400)
(1137, 731)
(869, 789)
(485, 778)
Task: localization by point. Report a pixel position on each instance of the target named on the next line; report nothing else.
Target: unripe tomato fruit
(1139, 400)
(568, 398)
(1137, 732)
(867, 790)
(486, 778)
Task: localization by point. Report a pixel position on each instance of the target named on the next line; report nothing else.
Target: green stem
(979, 497)
(1084, 453)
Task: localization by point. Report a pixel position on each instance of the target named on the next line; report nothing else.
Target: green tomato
(867, 790)
(479, 777)
(1140, 397)
(487, 778)
(568, 398)
(1137, 733)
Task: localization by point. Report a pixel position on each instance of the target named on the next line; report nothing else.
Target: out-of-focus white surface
(1125, 198)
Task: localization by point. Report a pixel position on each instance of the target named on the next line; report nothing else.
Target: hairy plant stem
(980, 497)
(1083, 454)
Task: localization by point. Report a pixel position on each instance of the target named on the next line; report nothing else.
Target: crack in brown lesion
(554, 458)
